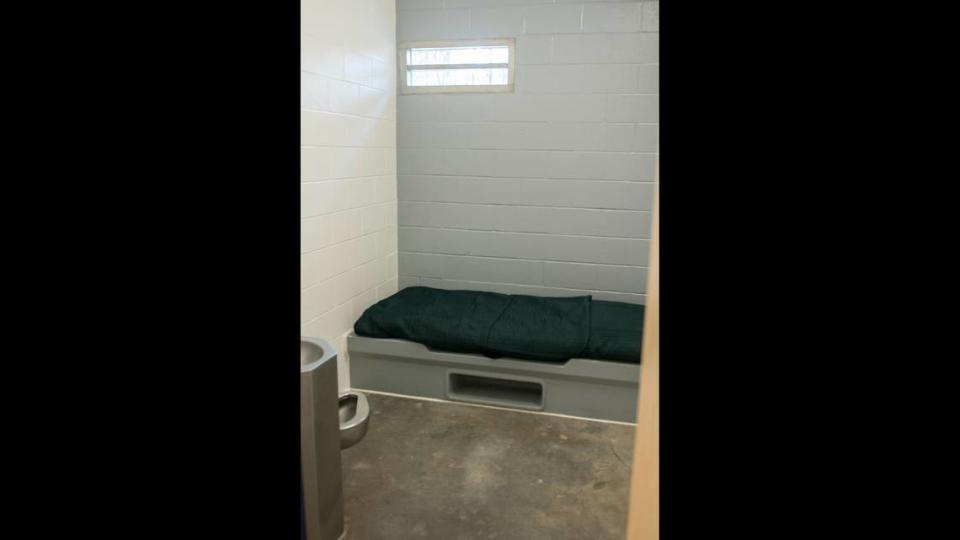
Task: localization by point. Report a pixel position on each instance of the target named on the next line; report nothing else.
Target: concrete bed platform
(441, 470)
(579, 387)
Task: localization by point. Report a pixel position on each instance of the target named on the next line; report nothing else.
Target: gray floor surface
(449, 471)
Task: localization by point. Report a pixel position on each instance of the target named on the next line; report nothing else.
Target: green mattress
(550, 329)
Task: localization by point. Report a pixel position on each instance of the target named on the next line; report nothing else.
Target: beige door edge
(643, 522)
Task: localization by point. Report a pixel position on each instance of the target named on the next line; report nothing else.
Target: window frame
(460, 89)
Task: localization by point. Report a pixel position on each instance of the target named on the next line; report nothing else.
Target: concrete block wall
(348, 164)
(546, 190)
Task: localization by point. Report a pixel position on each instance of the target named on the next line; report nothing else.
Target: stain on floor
(449, 471)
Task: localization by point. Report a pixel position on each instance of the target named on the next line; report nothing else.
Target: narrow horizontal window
(457, 66)
(457, 77)
(459, 55)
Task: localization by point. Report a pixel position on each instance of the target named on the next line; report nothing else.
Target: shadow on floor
(449, 471)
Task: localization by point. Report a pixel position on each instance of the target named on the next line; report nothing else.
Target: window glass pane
(457, 77)
(459, 55)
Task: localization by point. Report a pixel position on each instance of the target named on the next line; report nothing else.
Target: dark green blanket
(616, 331)
(518, 326)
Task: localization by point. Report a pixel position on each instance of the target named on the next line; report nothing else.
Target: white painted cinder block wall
(348, 190)
(547, 190)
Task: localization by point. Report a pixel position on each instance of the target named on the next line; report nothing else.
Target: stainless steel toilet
(328, 422)
(354, 418)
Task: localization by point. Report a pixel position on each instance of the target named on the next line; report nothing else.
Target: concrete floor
(449, 471)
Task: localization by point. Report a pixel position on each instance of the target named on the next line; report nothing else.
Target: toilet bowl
(354, 418)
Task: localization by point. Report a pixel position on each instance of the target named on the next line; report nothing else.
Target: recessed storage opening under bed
(581, 387)
(502, 391)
